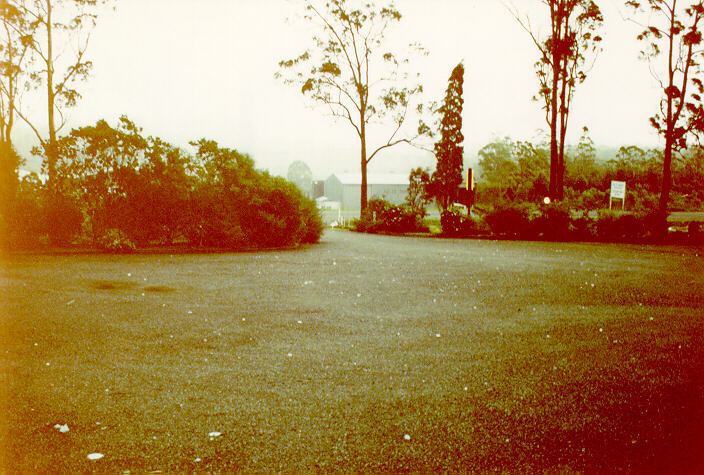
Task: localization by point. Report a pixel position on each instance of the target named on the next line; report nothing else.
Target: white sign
(618, 189)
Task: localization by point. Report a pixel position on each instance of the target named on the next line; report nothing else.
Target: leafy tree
(419, 195)
(300, 175)
(352, 72)
(57, 34)
(14, 59)
(448, 150)
(498, 163)
(565, 58)
(581, 168)
(673, 28)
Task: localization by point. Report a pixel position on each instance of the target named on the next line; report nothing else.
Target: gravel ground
(361, 353)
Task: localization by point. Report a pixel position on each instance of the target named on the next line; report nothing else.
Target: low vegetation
(119, 191)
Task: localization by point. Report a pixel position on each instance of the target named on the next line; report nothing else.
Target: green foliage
(22, 223)
(455, 224)
(350, 56)
(419, 194)
(380, 216)
(448, 150)
(116, 241)
(153, 193)
(553, 222)
(513, 171)
(509, 220)
(63, 219)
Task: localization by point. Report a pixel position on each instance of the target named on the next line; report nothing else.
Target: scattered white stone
(465, 388)
(37, 344)
(307, 282)
(142, 294)
(70, 302)
(129, 274)
(300, 322)
(407, 437)
(651, 319)
(62, 428)
(197, 459)
(244, 319)
(290, 355)
(548, 336)
(212, 435)
(601, 330)
(95, 456)
(437, 335)
(359, 295)
(48, 364)
(190, 312)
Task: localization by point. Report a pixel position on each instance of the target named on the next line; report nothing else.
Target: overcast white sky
(186, 69)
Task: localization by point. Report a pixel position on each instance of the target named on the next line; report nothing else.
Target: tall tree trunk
(52, 149)
(363, 153)
(554, 153)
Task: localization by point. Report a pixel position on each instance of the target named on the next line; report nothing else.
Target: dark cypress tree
(448, 151)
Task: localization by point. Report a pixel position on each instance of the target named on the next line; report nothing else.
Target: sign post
(618, 190)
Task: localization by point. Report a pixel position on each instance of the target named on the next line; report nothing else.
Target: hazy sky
(186, 69)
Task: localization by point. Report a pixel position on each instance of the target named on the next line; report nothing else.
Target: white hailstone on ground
(95, 456)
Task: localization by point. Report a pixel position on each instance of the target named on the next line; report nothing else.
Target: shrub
(509, 220)
(116, 241)
(615, 226)
(552, 222)
(454, 223)
(312, 223)
(380, 216)
(64, 220)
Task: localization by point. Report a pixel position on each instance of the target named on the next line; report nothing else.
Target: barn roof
(373, 178)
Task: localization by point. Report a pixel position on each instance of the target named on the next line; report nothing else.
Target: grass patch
(487, 355)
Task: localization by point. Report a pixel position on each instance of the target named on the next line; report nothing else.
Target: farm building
(346, 188)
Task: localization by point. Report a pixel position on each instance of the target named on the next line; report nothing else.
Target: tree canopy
(354, 73)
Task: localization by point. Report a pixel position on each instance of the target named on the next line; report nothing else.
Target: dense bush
(114, 240)
(509, 220)
(123, 190)
(455, 224)
(380, 216)
(552, 222)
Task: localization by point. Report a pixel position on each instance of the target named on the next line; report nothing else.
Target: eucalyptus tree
(566, 56)
(672, 37)
(15, 37)
(57, 33)
(353, 71)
